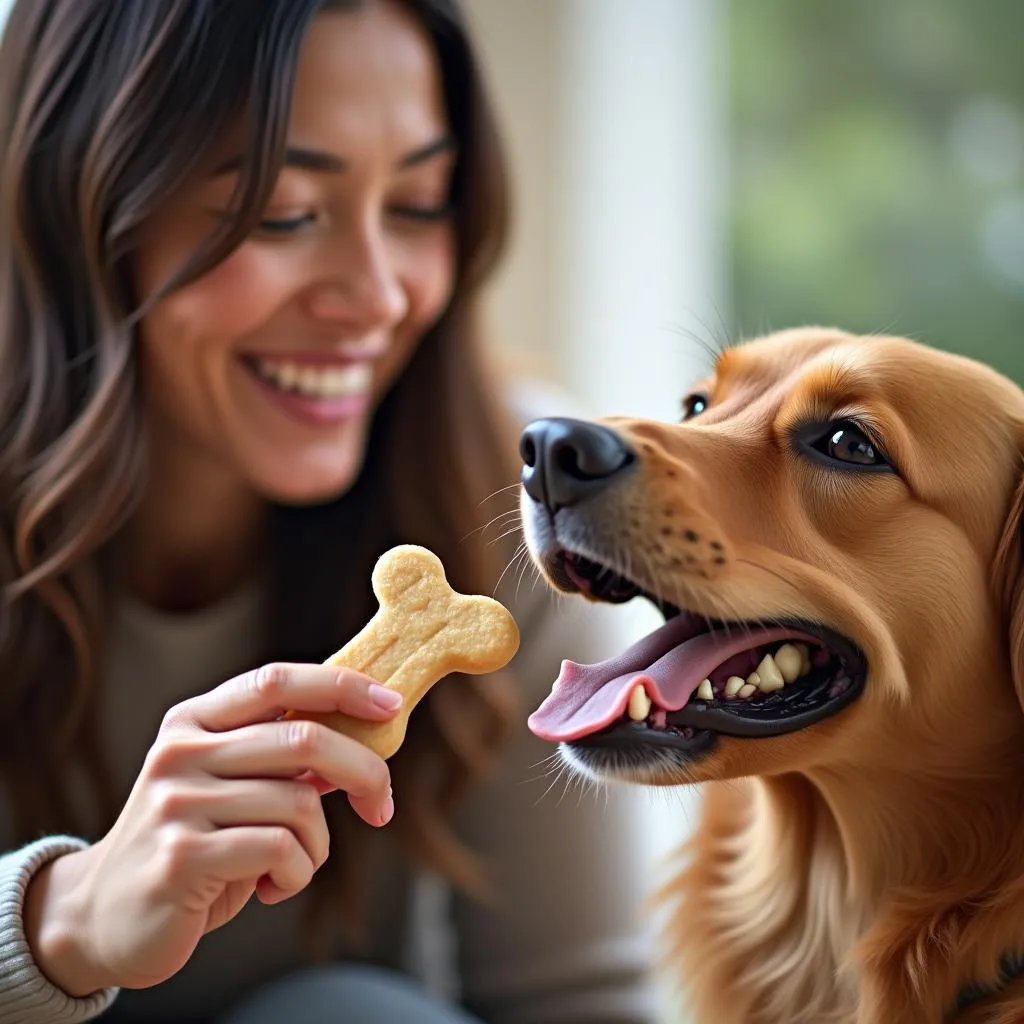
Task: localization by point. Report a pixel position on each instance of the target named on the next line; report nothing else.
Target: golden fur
(867, 868)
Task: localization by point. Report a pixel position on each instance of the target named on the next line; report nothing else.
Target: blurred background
(718, 168)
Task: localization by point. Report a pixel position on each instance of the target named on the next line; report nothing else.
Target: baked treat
(422, 632)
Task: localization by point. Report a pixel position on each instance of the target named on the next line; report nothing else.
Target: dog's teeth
(733, 685)
(754, 679)
(747, 691)
(770, 676)
(805, 659)
(639, 703)
(705, 691)
(788, 661)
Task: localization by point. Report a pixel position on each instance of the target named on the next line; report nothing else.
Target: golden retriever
(833, 533)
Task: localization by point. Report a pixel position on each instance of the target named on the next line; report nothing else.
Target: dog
(833, 533)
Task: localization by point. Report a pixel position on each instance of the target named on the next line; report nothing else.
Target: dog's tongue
(670, 663)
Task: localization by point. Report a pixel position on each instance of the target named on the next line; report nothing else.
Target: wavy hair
(106, 108)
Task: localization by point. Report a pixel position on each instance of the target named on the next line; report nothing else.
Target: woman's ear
(1009, 580)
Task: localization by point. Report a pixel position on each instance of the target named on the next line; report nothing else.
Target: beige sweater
(565, 945)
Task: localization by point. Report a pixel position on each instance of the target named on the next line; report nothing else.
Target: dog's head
(832, 535)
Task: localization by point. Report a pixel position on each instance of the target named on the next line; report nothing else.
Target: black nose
(567, 461)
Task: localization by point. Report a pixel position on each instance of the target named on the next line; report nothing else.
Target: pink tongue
(670, 663)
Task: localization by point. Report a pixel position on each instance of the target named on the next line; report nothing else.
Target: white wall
(612, 113)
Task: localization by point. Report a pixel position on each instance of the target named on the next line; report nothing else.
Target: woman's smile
(312, 389)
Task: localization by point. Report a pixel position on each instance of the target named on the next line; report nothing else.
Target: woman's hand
(227, 804)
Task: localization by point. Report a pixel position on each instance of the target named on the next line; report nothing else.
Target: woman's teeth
(316, 381)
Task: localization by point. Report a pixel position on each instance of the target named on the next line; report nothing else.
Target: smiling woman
(240, 247)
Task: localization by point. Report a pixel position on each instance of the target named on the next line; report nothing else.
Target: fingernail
(389, 700)
(388, 811)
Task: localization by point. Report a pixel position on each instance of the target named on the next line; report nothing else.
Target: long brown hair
(105, 108)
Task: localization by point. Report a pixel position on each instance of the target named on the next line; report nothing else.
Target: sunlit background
(692, 170)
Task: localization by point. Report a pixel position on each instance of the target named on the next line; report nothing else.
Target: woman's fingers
(297, 747)
(254, 851)
(373, 811)
(322, 786)
(295, 805)
(268, 692)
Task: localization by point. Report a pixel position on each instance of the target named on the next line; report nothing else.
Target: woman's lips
(321, 393)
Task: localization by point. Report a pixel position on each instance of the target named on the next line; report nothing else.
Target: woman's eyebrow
(321, 161)
(442, 144)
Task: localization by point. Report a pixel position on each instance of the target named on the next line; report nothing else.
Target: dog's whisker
(569, 780)
(549, 763)
(727, 339)
(501, 490)
(501, 518)
(708, 348)
(510, 513)
(720, 336)
(563, 775)
(711, 343)
(525, 564)
(522, 548)
(510, 532)
(557, 778)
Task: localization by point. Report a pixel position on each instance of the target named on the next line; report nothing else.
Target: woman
(240, 248)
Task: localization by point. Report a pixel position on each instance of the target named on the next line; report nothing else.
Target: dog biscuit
(422, 632)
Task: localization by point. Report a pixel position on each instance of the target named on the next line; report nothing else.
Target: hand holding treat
(422, 632)
(228, 804)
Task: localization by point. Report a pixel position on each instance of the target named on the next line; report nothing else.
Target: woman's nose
(360, 285)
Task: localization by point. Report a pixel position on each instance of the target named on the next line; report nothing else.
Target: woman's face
(270, 366)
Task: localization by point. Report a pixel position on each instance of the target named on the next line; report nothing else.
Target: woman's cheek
(233, 299)
(432, 279)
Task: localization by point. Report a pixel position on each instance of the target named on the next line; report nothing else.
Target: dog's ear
(1009, 579)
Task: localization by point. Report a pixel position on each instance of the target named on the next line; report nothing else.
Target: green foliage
(878, 169)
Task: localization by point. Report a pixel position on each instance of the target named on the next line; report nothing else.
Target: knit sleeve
(26, 996)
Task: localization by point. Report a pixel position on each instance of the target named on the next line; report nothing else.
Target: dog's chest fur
(758, 939)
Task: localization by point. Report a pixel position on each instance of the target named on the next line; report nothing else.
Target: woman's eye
(846, 443)
(423, 214)
(285, 225)
(694, 405)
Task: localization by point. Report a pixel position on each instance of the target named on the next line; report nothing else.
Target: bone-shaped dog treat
(422, 632)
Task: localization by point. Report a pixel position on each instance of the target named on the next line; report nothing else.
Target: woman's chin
(309, 480)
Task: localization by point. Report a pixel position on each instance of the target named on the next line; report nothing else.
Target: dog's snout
(566, 461)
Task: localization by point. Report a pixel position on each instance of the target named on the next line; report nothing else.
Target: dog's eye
(694, 405)
(847, 443)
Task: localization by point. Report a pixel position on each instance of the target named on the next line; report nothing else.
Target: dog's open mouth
(693, 679)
